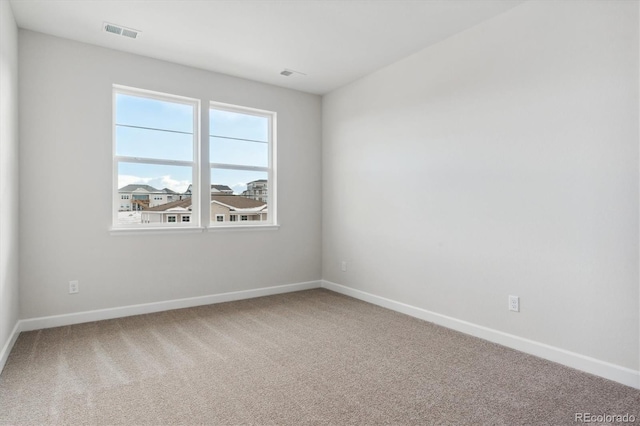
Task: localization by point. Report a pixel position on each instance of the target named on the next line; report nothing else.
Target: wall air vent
(121, 31)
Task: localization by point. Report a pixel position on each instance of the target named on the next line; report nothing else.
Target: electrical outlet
(343, 266)
(514, 303)
(74, 287)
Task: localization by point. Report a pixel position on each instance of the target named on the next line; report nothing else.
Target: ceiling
(333, 42)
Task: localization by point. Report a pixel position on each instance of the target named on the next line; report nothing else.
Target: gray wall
(503, 160)
(9, 289)
(66, 177)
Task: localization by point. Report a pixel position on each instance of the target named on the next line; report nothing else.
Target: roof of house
(169, 191)
(135, 186)
(186, 203)
(235, 202)
(221, 188)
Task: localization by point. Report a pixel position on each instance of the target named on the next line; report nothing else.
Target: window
(242, 157)
(156, 144)
(163, 165)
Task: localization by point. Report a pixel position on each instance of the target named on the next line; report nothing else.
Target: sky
(150, 128)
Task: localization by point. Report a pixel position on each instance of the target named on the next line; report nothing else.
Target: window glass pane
(233, 151)
(134, 142)
(237, 125)
(150, 194)
(237, 193)
(152, 113)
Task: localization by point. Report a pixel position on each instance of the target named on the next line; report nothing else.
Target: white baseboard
(4, 354)
(147, 308)
(610, 371)
(584, 363)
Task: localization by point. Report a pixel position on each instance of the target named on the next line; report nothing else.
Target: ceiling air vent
(121, 31)
(287, 72)
(112, 29)
(129, 33)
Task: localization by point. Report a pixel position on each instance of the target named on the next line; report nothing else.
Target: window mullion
(205, 172)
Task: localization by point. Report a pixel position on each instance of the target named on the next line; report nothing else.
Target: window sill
(191, 230)
(222, 228)
(155, 231)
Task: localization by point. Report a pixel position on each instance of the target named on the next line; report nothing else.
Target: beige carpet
(312, 357)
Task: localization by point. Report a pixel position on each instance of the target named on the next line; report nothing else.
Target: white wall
(503, 160)
(9, 289)
(65, 106)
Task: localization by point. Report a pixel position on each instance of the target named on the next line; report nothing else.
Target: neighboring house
(215, 188)
(257, 190)
(224, 208)
(221, 188)
(138, 197)
(235, 208)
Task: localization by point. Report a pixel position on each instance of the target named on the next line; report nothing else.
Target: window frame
(201, 168)
(270, 169)
(195, 163)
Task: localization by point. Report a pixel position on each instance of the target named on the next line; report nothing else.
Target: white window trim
(195, 164)
(248, 227)
(156, 231)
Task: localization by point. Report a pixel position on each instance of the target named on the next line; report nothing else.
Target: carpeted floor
(312, 357)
